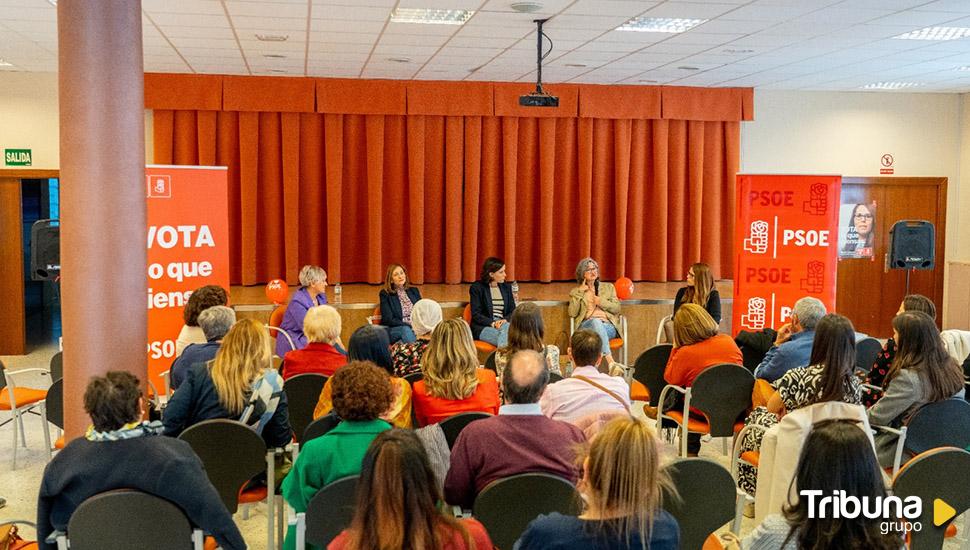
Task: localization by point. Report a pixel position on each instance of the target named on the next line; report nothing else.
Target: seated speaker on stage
(397, 299)
(312, 292)
(594, 304)
(492, 304)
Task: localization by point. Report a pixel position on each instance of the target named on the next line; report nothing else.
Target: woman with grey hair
(312, 292)
(594, 305)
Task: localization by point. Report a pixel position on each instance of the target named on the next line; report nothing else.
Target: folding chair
(490, 363)
(375, 317)
(649, 370)
(319, 427)
(302, 393)
(722, 393)
(866, 351)
(55, 409)
(480, 345)
(936, 474)
(328, 513)
(129, 520)
(414, 377)
(942, 424)
(57, 365)
(453, 425)
(662, 330)
(20, 400)
(615, 343)
(700, 499)
(506, 506)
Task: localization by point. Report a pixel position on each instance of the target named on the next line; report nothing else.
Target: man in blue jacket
(793, 345)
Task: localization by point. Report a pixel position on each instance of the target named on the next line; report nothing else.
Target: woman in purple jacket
(313, 284)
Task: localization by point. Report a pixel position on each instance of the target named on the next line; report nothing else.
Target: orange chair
(275, 320)
(20, 400)
(480, 345)
(375, 317)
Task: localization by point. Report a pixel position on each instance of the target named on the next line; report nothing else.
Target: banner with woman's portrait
(857, 225)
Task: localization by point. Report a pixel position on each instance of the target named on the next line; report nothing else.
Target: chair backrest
(232, 454)
(319, 427)
(507, 506)
(3, 375)
(414, 377)
(723, 393)
(703, 500)
(276, 318)
(331, 510)
(648, 369)
(942, 424)
(57, 365)
(55, 403)
(554, 377)
(490, 362)
(375, 317)
(122, 520)
(302, 393)
(866, 351)
(934, 475)
(453, 425)
(466, 314)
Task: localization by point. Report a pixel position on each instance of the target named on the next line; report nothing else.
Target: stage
(650, 303)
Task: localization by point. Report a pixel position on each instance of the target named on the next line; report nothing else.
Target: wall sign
(17, 157)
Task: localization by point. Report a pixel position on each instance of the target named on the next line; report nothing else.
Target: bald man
(519, 440)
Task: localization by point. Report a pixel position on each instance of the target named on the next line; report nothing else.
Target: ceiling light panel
(667, 25)
(890, 85)
(935, 33)
(431, 16)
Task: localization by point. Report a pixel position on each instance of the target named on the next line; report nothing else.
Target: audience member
(492, 303)
(828, 378)
(877, 375)
(452, 382)
(793, 344)
(312, 292)
(590, 389)
(620, 485)
(519, 440)
(201, 299)
(120, 451)
(837, 458)
(593, 304)
(922, 372)
(700, 290)
(369, 343)
(697, 347)
(362, 392)
(397, 299)
(425, 316)
(526, 331)
(241, 385)
(215, 323)
(397, 503)
(322, 326)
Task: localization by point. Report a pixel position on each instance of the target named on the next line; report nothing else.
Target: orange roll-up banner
(785, 246)
(188, 247)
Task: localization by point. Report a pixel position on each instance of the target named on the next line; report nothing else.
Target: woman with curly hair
(362, 393)
(201, 299)
(452, 382)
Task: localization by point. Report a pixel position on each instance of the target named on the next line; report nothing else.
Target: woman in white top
(200, 300)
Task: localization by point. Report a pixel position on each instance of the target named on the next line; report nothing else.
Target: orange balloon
(277, 291)
(624, 288)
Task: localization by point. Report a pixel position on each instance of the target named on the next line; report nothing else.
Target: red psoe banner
(188, 247)
(786, 246)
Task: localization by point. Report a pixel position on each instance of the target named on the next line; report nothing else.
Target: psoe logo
(159, 187)
(898, 515)
(757, 242)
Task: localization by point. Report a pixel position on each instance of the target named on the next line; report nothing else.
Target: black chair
(490, 362)
(554, 377)
(649, 370)
(722, 393)
(937, 474)
(55, 403)
(866, 351)
(702, 499)
(328, 513)
(319, 427)
(414, 377)
(302, 393)
(57, 365)
(129, 520)
(506, 506)
(453, 425)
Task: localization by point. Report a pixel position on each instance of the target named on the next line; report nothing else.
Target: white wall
(847, 133)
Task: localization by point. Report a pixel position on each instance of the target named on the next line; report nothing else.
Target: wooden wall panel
(12, 322)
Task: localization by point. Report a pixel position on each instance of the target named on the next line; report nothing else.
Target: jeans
(402, 333)
(498, 337)
(604, 329)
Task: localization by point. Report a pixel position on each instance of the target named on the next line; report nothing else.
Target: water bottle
(515, 292)
(338, 296)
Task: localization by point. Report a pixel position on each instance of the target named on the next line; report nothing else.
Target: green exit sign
(17, 157)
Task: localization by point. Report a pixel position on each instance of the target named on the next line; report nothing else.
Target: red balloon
(277, 291)
(624, 288)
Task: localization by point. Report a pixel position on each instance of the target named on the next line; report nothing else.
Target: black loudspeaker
(912, 245)
(45, 250)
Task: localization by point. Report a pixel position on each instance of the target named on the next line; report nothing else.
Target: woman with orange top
(453, 383)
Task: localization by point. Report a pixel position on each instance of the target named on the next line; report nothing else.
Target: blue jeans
(604, 329)
(402, 333)
(498, 337)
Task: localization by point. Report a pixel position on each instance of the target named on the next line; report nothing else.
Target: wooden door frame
(13, 331)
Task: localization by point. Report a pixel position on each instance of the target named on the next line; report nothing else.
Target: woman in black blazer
(491, 304)
(700, 290)
(397, 299)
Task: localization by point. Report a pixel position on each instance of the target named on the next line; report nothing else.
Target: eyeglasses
(863, 216)
(589, 269)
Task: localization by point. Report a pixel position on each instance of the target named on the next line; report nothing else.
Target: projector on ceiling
(536, 99)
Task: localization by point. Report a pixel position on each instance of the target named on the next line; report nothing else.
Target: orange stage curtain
(314, 178)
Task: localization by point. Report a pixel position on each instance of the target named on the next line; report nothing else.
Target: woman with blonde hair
(526, 331)
(240, 384)
(594, 304)
(621, 488)
(700, 290)
(397, 298)
(453, 383)
(321, 355)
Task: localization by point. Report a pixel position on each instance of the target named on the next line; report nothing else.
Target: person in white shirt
(589, 390)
